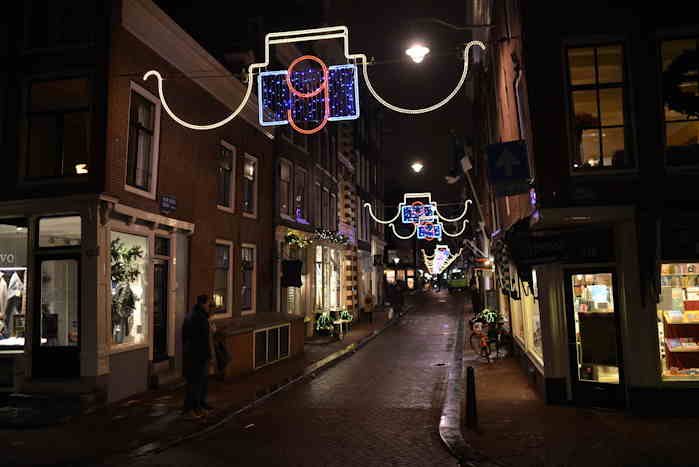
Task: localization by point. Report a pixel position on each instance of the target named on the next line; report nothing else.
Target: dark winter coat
(196, 351)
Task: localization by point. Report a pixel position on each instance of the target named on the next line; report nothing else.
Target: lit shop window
(129, 277)
(13, 281)
(678, 321)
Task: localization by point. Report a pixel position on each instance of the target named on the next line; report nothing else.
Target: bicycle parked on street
(489, 334)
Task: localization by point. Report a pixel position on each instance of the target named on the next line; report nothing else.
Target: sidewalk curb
(451, 421)
(309, 372)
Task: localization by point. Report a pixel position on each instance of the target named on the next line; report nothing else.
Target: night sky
(383, 32)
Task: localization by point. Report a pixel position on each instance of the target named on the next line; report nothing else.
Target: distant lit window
(226, 176)
(250, 185)
(144, 127)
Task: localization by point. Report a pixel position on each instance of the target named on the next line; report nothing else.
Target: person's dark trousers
(203, 387)
(197, 388)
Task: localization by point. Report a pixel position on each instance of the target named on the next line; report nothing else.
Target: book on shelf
(692, 316)
(674, 316)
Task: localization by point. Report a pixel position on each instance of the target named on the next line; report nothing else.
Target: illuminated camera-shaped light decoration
(424, 217)
(311, 95)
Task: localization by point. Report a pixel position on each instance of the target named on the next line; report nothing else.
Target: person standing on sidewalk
(196, 355)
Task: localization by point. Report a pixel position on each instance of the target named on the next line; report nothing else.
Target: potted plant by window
(125, 270)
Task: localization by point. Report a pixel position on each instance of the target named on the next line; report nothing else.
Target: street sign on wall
(508, 168)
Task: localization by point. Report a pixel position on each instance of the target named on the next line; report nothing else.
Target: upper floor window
(301, 210)
(226, 176)
(317, 206)
(597, 86)
(143, 140)
(53, 24)
(333, 211)
(58, 128)
(680, 87)
(285, 188)
(250, 186)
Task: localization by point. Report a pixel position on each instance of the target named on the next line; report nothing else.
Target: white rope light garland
(334, 32)
(376, 219)
(456, 219)
(444, 231)
(363, 59)
(393, 227)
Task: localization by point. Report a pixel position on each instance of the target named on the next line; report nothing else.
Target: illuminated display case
(678, 321)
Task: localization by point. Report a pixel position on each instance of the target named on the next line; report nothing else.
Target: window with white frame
(285, 185)
(248, 278)
(226, 176)
(300, 198)
(326, 208)
(250, 186)
(333, 211)
(318, 218)
(143, 141)
(223, 278)
(680, 83)
(597, 88)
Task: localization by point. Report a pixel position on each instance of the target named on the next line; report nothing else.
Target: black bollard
(471, 413)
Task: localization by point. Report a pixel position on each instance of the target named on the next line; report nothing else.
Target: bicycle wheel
(475, 341)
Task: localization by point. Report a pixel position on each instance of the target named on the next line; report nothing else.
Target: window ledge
(140, 192)
(120, 348)
(225, 209)
(603, 173)
(249, 216)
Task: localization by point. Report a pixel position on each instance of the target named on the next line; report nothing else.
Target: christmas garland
(330, 236)
(678, 73)
(297, 241)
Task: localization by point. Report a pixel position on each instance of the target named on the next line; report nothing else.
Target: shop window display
(678, 321)
(129, 257)
(13, 281)
(533, 319)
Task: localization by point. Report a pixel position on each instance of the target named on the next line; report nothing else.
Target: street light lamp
(417, 167)
(396, 260)
(417, 52)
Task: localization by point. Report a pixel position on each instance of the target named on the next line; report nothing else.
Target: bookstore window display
(532, 327)
(129, 257)
(678, 321)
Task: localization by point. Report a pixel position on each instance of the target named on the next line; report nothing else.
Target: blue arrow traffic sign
(508, 167)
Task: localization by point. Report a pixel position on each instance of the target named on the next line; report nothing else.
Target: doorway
(160, 310)
(597, 372)
(56, 333)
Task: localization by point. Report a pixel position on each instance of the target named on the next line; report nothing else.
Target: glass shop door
(160, 310)
(56, 333)
(594, 338)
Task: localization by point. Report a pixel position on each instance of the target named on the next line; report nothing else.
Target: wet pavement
(517, 428)
(381, 407)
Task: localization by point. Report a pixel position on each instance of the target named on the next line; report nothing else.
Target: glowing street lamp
(417, 52)
(417, 167)
(396, 260)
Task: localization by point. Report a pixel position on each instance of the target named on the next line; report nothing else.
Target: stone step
(171, 377)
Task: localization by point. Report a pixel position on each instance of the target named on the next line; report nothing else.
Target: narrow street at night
(379, 407)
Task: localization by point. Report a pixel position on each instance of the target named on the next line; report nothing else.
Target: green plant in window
(324, 322)
(126, 268)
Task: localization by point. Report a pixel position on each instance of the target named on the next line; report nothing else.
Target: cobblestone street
(379, 407)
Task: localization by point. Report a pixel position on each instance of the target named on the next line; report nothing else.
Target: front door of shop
(56, 317)
(594, 338)
(160, 310)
